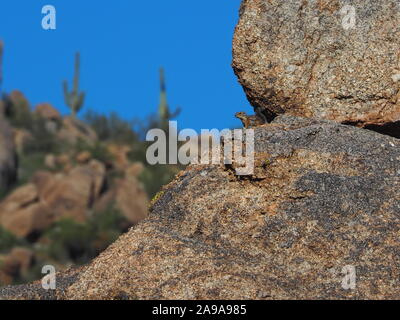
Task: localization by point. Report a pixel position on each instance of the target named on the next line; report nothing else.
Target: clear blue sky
(123, 43)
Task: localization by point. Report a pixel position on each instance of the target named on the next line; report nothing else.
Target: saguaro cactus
(1, 65)
(163, 109)
(74, 99)
(164, 112)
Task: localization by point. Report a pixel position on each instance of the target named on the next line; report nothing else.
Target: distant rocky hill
(57, 174)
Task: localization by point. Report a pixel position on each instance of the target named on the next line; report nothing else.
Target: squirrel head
(240, 115)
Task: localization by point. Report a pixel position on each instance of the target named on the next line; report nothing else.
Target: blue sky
(122, 44)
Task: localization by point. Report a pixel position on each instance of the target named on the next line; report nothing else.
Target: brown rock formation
(32, 208)
(308, 58)
(120, 154)
(70, 195)
(22, 214)
(47, 111)
(73, 129)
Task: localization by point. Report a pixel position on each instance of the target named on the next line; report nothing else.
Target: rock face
(312, 59)
(323, 197)
(22, 213)
(8, 158)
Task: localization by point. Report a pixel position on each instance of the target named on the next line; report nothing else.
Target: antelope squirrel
(250, 121)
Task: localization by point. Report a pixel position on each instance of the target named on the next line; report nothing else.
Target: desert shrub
(3, 193)
(8, 241)
(111, 127)
(29, 164)
(133, 133)
(70, 241)
(154, 177)
(43, 141)
(98, 150)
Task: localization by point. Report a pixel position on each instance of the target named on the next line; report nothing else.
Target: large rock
(324, 197)
(22, 213)
(72, 195)
(8, 158)
(305, 58)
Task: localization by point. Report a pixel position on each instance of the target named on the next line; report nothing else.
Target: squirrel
(250, 121)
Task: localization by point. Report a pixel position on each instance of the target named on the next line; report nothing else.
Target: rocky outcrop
(48, 112)
(120, 155)
(8, 158)
(23, 214)
(32, 208)
(71, 195)
(73, 130)
(50, 115)
(323, 197)
(313, 59)
(74, 194)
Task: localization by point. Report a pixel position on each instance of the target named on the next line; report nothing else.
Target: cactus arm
(80, 101)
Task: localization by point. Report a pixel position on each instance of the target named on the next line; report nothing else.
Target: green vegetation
(112, 127)
(74, 99)
(97, 151)
(8, 241)
(78, 243)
